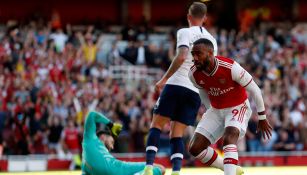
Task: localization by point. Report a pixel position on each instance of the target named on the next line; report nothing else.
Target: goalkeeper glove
(115, 128)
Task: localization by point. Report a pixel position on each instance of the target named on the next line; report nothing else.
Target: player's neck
(195, 23)
(210, 68)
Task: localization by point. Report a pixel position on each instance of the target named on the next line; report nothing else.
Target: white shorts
(214, 121)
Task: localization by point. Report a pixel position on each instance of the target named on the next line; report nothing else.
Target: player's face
(201, 56)
(108, 141)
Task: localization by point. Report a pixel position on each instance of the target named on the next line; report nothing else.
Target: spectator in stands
(9, 144)
(70, 138)
(59, 38)
(141, 53)
(131, 52)
(113, 57)
(21, 135)
(89, 47)
(284, 142)
(38, 145)
(54, 134)
(296, 114)
(253, 138)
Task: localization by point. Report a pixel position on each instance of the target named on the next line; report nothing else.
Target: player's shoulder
(194, 29)
(226, 60)
(183, 30)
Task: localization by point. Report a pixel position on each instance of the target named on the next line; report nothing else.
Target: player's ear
(204, 19)
(189, 17)
(211, 51)
(102, 137)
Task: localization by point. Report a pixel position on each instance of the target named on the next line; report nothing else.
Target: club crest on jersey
(222, 80)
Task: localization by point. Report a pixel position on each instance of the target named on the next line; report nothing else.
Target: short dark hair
(198, 10)
(103, 131)
(204, 41)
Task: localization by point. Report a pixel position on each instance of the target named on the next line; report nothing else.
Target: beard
(204, 65)
(109, 147)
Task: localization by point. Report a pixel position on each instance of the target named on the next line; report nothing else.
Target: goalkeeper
(96, 158)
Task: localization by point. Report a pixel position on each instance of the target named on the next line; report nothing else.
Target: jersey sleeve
(214, 46)
(183, 38)
(240, 75)
(92, 118)
(255, 91)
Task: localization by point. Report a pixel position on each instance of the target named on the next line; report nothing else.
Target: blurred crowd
(50, 78)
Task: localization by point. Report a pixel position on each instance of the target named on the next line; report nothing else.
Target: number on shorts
(235, 113)
(241, 113)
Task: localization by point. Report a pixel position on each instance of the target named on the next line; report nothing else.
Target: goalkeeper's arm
(94, 117)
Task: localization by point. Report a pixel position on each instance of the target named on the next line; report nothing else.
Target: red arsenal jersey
(224, 85)
(72, 139)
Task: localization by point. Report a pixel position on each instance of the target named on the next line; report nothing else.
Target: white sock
(149, 166)
(175, 172)
(230, 159)
(210, 158)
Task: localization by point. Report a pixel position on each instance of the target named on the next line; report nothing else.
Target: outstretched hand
(116, 129)
(265, 128)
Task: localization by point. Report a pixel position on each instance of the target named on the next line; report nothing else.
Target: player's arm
(202, 92)
(182, 52)
(94, 117)
(241, 76)
(181, 55)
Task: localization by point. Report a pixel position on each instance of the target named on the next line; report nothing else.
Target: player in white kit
(179, 101)
(222, 85)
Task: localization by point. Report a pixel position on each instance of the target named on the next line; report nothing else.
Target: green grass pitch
(197, 171)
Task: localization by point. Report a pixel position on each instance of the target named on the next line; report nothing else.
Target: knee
(231, 135)
(158, 122)
(156, 125)
(195, 148)
(177, 129)
(175, 133)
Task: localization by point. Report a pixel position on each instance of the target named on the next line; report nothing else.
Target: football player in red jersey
(223, 85)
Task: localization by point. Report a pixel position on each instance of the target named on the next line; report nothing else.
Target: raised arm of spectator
(81, 38)
(69, 30)
(99, 42)
(93, 105)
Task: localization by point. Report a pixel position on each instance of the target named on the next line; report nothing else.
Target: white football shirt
(185, 38)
